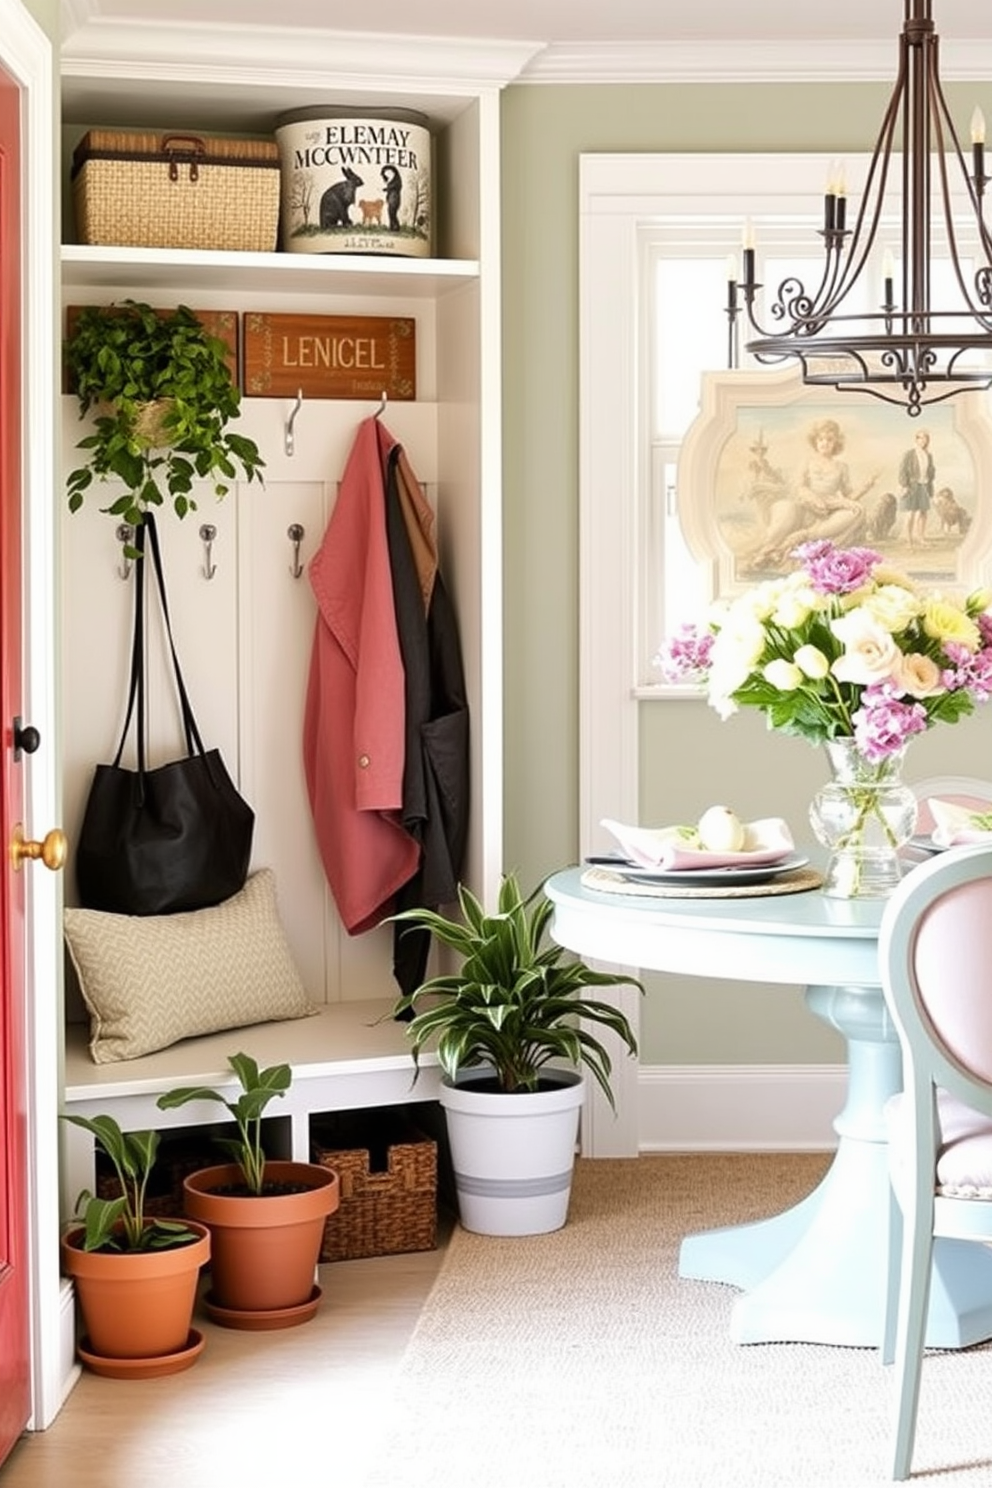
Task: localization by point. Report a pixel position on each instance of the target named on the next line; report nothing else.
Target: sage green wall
(685, 749)
(46, 13)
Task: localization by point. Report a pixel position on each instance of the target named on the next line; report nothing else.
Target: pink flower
(685, 657)
(836, 570)
(884, 724)
(971, 673)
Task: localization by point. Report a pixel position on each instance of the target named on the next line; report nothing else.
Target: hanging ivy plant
(163, 394)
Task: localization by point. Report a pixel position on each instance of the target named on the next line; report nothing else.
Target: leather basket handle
(185, 148)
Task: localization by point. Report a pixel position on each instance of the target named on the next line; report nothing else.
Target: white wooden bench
(346, 1057)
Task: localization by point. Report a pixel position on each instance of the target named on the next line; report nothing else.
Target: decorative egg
(720, 830)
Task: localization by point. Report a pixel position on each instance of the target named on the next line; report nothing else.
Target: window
(655, 235)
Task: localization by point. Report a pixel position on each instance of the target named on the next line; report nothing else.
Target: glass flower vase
(864, 816)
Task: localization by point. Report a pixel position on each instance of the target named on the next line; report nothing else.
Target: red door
(14, 1361)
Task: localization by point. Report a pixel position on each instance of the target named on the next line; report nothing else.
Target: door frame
(26, 56)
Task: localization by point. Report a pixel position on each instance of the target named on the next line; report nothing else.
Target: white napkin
(677, 848)
(956, 825)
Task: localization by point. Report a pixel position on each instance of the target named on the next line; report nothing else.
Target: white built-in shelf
(147, 269)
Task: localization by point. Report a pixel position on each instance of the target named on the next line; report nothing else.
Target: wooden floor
(256, 1408)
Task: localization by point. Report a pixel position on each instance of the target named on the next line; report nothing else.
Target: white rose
(893, 606)
(870, 653)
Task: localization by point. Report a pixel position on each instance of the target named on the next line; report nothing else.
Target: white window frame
(622, 201)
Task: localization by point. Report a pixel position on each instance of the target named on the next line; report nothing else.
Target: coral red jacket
(353, 732)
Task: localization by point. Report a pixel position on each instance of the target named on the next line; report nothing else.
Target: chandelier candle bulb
(747, 243)
(830, 204)
(978, 150)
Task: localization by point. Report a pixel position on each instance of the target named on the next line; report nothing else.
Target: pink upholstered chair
(935, 954)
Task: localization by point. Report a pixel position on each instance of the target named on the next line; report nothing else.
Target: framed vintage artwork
(770, 463)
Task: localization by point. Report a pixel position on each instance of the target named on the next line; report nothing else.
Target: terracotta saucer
(258, 1320)
(138, 1369)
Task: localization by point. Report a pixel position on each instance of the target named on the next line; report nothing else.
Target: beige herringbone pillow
(149, 981)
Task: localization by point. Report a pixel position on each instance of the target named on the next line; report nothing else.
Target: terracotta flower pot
(264, 1248)
(136, 1305)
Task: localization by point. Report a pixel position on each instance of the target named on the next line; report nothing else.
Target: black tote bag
(174, 838)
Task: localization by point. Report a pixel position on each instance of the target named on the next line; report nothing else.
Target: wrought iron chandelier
(906, 352)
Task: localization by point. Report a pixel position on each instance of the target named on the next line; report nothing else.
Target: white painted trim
(739, 1108)
(165, 51)
(94, 43)
(745, 62)
(26, 54)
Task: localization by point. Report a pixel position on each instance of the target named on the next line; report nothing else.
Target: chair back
(935, 955)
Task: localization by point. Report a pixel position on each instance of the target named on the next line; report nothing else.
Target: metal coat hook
(290, 437)
(296, 534)
(125, 536)
(208, 532)
(382, 405)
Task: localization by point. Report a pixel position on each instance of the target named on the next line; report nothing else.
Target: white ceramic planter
(513, 1154)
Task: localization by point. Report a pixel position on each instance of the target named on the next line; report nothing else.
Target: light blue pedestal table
(816, 1272)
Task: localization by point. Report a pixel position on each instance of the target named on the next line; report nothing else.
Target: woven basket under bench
(144, 190)
(388, 1175)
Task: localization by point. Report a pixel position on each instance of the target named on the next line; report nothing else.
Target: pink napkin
(956, 825)
(675, 849)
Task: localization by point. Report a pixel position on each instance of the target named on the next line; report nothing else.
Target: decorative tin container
(356, 182)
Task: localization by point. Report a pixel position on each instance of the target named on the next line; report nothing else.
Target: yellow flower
(945, 620)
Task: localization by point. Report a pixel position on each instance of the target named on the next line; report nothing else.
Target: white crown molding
(164, 50)
(95, 46)
(744, 62)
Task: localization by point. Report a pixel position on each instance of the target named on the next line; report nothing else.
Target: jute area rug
(581, 1360)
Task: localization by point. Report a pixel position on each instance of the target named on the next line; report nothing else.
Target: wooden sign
(330, 356)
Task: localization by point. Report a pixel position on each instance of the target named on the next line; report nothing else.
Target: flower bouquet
(847, 652)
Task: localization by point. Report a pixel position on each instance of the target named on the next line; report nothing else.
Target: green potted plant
(163, 394)
(512, 1034)
(266, 1216)
(135, 1275)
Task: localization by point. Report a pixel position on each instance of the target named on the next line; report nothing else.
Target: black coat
(436, 766)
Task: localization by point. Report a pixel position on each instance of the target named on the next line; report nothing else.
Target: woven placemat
(799, 881)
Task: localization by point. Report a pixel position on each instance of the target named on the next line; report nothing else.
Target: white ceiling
(551, 22)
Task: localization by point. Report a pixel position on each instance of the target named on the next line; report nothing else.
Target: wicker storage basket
(143, 190)
(388, 1186)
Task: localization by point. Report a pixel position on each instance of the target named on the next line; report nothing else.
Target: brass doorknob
(52, 851)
